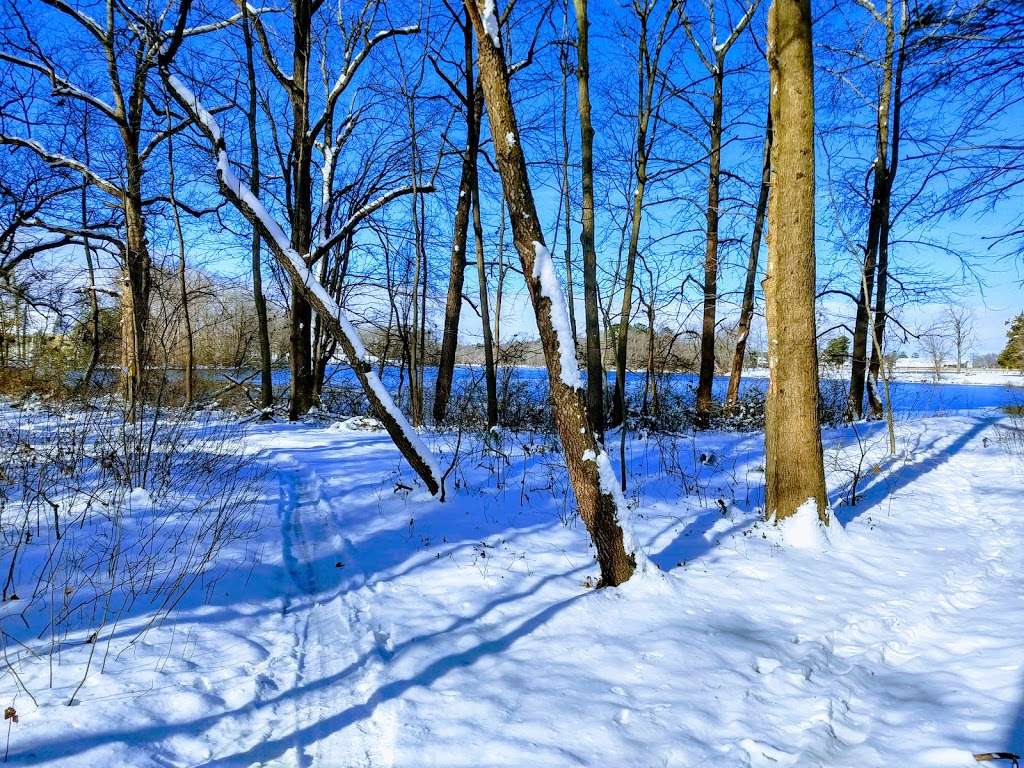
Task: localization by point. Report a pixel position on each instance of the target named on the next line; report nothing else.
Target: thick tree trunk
(595, 367)
(794, 473)
(300, 354)
(135, 297)
(747, 305)
(303, 394)
(707, 336)
(601, 506)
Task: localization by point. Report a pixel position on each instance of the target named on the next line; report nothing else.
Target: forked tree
(601, 505)
(794, 473)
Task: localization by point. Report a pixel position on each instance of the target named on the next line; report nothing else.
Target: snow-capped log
(333, 316)
(601, 509)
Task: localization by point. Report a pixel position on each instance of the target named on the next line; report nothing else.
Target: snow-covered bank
(370, 625)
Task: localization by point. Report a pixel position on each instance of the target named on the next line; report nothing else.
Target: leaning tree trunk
(333, 317)
(601, 506)
(595, 367)
(794, 473)
(747, 306)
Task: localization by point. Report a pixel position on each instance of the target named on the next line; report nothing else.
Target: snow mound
(139, 498)
(804, 530)
(357, 424)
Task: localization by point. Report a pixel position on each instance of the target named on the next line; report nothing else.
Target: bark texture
(794, 472)
(599, 505)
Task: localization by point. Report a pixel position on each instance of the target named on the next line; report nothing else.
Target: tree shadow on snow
(887, 485)
(305, 736)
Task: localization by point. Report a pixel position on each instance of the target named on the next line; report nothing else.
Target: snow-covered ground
(370, 625)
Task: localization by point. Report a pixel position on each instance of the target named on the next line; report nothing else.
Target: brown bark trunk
(747, 305)
(794, 472)
(707, 336)
(301, 160)
(262, 323)
(599, 506)
(460, 230)
(595, 368)
(885, 223)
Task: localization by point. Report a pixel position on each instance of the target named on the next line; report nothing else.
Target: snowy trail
(334, 660)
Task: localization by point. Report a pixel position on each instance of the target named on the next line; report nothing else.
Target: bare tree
(649, 99)
(960, 320)
(312, 291)
(126, 45)
(595, 367)
(714, 63)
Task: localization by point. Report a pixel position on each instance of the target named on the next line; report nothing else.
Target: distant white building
(927, 364)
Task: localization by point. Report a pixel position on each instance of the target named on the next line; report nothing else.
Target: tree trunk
(563, 53)
(188, 368)
(472, 103)
(600, 505)
(262, 324)
(794, 473)
(453, 304)
(300, 170)
(707, 336)
(861, 331)
(595, 368)
(885, 223)
(747, 305)
(94, 302)
(135, 293)
(490, 374)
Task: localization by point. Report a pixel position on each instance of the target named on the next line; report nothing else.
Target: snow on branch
(352, 221)
(342, 83)
(62, 86)
(254, 210)
(62, 161)
(551, 289)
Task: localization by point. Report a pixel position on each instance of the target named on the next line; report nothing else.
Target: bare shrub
(103, 519)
